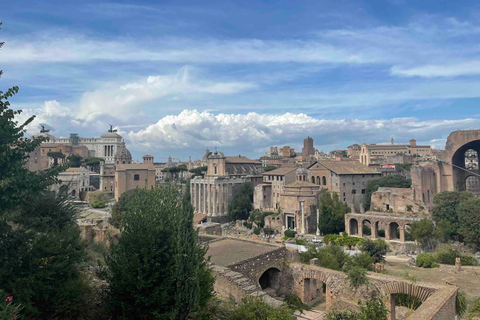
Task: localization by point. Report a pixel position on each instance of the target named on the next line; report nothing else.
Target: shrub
(98, 204)
(292, 301)
(300, 242)
(290, 233)
(257, 230)
(97, 198)
(474, 310)
(426, 260)
(247, 224)
(366, 230)
(377, 249)
(268, 230)
(330, 257)
(461, 303)
(363, 260)
(447, 255)
(381, 233)
(253, 308)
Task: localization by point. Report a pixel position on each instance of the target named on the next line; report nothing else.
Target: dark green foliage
(268, 231)
(331, 257)
(149, 273)
(200, 171)
(74, 161)
(293, 302)
(377, 249)
(240, 207)
(446, 207)
(300, 242)
(474, 310)
(97, 199)
(469, 221)
(94, 164)
(332, 213)
(388, 181)
(461, 303)
(254, 308)
(446, 230)
(40, 245)
(363, 260)
(257, 230)
(381, 233)
(343, 240)
(372, 309)
(248, 225)
(447, 255)
(426, 260)
(258, 217)
(290, 233)
(367, 231)
(127, 201)
(357, 277)
(407, 300)
(423, 231)
(405, 166)
(269, 168)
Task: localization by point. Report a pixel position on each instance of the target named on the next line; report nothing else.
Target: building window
(354, 191)
(324, 180)
(136, 177)
(344, 194)
(363, 191)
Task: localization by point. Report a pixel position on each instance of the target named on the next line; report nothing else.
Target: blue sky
(176, 77)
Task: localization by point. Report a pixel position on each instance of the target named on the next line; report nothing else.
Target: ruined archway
(367, 227)
(269, 279)
(394, 231)
(472, 184)
(404, 292)
(353, 227)
(465, 164)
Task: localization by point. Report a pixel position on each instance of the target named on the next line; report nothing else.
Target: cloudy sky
(176, 77)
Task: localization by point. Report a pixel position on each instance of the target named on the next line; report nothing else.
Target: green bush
(331, 257)
(363, 260)
(253, 308)
(381, 233)
(290, 233)
(268, 231)
(293, 302)
(97, 198)
(474, 310)
(377, 249)
(247, 224)
(426, 260)
(257, 230)
(447, 255)
(98, 204)
(300, 242)
(343, 240)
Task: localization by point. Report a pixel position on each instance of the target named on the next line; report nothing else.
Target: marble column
(387, 232)
(215, 198)
(374, 229)
(402, 233)
(360, 228)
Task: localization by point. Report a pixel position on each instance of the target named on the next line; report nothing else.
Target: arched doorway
(269, 280)
(313, 291)
(472, 184)
(73, 193)
(353, 227)
(367, 228)
(465, 163)
(394, 231)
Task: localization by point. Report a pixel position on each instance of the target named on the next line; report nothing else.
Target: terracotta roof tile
(347, 167)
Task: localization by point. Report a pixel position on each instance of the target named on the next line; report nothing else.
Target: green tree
(377, 249)
(98, 199)
(357, 277)
(38, 235)
(240, 207)
(94, 164)
(469, 221)
(332, 213)
(74, 161)
(269, 168)
(144, 266)
(388, 181)
(423, 231)
(189, 260)
(55, 155)
(128, 200)
(200, 171)
(445, 207)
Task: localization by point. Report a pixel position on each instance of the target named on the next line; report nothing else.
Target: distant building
(353, 151)
(132, 176)
(213, 193)
(287, 152)
(373, 154)
(308, 149)
(267, 194)
(75, 182)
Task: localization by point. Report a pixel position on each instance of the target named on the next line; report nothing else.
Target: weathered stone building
(132, 176)
(213, 193)
(75, 182)
(353, 151)
(374, 154)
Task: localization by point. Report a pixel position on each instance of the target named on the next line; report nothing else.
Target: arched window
(313, 179)
(324, 180)
(318, 180)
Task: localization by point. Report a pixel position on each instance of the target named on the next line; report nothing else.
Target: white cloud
(124, 101)
(431, 71)
(193, 129)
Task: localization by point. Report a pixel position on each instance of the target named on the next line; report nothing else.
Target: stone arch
(353, 227)
(393, 231)
(368, 231)
(318, 180)
(462, 167)
(324, 180)
(472, 184)
(313, 180)
(388, 290)
(269, 279)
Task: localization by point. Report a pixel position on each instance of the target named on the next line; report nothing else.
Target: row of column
(109, 151)
(211, 198)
